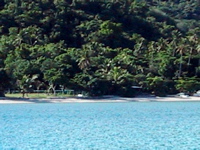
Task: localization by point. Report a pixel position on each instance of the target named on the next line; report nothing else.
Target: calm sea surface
(100, 126)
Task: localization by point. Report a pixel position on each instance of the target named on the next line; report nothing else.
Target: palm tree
(151, 52)
(181, 49)
(84, 61)
(193, 42)
(85, 58)
(118, 76)
(198, 51)
(25, 83)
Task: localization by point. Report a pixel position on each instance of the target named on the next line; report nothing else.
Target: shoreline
(112, 99)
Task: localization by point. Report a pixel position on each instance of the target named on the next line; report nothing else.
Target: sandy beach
(6, 100)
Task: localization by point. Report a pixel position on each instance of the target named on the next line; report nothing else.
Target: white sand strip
(104, 100)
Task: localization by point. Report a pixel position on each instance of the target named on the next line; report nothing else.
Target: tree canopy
(100, 47)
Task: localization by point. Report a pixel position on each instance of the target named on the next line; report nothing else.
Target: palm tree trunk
(180, 66)
(189, 59)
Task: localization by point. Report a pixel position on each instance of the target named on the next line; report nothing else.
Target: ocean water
(100, 126)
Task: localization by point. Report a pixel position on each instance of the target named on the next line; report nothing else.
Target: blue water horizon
(100, 126)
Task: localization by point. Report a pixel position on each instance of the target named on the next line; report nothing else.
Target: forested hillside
(100, 46)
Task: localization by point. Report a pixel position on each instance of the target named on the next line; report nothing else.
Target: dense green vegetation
(100, 46)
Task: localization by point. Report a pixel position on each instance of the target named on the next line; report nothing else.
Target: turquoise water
(100, 126)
